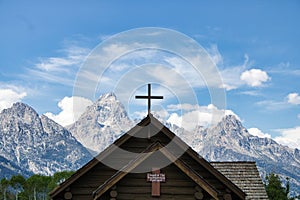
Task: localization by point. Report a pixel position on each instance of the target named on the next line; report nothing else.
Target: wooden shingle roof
(244, 175)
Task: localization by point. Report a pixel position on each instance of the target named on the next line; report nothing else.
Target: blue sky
(255, 45)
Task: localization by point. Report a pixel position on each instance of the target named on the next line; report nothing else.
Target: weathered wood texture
(138, 144)
(177, 186)
(245, 175)
(180, 176)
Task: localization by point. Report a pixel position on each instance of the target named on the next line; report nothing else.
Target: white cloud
(231, 75)
(54, 64)
(290, 100)
(254, 77)
(180, 73)
(257, 132)
(189, 116)
(293, 98)
(251, 93)
(74, 55)
(71, 109)
(199, 69)
(228, 87)
(273, 105)
(189, 120)
(9, 96)
(289, 137)
(195, 115)
(139, 115)
(215, 55)
(185, 107)
(60, 69)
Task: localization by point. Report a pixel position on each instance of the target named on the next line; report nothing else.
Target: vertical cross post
(155, 178)
(149, 97)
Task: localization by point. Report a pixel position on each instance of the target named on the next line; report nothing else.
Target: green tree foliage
(275, 188)
(17, 183)
(36, 187)
(4, 188)
(58, 178)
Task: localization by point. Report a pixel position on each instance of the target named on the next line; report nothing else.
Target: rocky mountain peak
(21, 111)
(101, 123)
(37, 144)
(108, 96)
(229, 126)
(20, 106)
(231, 121)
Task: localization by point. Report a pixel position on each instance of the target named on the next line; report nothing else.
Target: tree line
(36, 187)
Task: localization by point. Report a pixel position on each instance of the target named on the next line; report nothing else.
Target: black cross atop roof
(149, 97)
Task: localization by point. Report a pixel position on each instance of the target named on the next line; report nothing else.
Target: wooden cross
(149, 97)
(155, 178)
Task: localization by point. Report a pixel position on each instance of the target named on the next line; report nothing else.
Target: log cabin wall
(135, 186)
(177, 186)
(83, 187)
(138, 144)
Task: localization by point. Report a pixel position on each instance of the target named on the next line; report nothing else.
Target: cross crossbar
(149, 97)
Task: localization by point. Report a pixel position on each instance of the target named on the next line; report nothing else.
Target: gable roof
(150, 120)
(245, 175)
(178, 162)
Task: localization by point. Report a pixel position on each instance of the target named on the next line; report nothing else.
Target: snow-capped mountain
(101, 123)
(30, 143)
(230, 141)
(106, 120)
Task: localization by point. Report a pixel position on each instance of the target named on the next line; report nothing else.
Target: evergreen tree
(275, 188)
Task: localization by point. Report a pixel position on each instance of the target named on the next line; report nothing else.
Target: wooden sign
(155, 178)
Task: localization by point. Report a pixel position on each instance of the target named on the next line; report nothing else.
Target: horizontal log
(149, 197)
(82, 197)
(82, 191)
(168, 183)
(164, 190)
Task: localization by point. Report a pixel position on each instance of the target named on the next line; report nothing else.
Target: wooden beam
(120, 174)
(178, 162)
(192, 174)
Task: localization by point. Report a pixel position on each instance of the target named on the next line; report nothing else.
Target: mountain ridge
(106, 120)
(228, 140)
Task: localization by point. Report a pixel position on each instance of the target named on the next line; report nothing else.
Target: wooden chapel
(163, 167)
